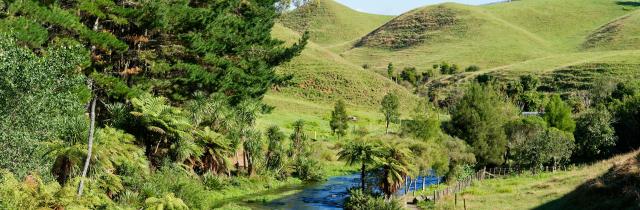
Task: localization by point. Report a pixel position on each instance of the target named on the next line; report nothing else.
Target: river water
(328, 195)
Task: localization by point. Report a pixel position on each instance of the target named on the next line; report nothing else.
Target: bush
(472, 68)
(214, 182)
(359, 200)
(168, 202)
(308, 170)
(172, 179)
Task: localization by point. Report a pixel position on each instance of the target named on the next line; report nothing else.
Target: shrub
(308, 170)
(172, 179)
(472, 68)
(359, 200)
(168, 202)
(214, 182)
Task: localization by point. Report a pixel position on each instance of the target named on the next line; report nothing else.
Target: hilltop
(331, 23)
(491, 35)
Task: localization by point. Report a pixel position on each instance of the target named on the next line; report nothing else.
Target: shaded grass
(619, 188)
(529, 190)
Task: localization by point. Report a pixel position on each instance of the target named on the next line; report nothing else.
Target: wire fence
(483, 174)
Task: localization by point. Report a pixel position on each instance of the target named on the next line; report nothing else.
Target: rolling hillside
(557, 40)
(321, 78)
(330, 23)
(498, 34)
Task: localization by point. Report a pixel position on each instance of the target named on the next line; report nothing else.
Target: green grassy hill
(574, 41)
(620, 34)
(498, 35)
(332, 24)
(321, 78)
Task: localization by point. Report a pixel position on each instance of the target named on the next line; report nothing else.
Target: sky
(396, 7)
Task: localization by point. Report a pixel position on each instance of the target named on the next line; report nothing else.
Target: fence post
(456, 200)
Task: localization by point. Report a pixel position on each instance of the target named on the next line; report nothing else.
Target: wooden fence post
(455, 203)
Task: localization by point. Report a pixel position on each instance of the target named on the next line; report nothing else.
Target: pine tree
(390, 70)
(339, 120)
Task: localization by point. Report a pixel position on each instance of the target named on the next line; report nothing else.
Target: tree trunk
(90, 145)
(362, 175)
(387, 129)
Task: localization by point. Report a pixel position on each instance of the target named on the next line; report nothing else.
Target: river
(328, 195)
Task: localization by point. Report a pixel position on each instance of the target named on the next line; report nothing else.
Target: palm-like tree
(113, 148)
(216, 150)
(395, 163)
(360, 152)
(164, 129)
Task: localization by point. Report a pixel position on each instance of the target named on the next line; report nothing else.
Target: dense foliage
(178, 86)
(479, 119)
(39, 96)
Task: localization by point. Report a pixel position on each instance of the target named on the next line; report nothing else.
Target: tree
(551, 146)
(203, 50)
(558, 115)
(521, 133)
(395, 164)
(410, 74)
(216, 150)
(595, 136)
(479, 119)
(444, 68)
(339, 120)
(459, 155)
(298, 139)
(275, 148)
(252, 146)
(424, 124)
(529, 82)
(362, 152)
(622, 91)
(390, 70)
(39, 95)
(627, 124)
(390, 109)
(532, 101)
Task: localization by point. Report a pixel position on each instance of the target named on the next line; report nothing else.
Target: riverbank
(256, 192)
(529, 191)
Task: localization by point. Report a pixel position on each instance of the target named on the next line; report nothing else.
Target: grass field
(530, 191)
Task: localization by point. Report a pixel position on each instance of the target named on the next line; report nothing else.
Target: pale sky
(396, 7)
